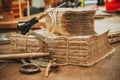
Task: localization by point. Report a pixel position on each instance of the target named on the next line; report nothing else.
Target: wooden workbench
(106, 69)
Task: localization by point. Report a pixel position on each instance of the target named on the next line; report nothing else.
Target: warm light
(109, 0)
(112, 0)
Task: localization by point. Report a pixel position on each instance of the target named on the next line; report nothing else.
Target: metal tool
(24, 27)
(33, 65)
(30, 68)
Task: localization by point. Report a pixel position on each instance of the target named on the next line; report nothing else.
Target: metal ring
(29, 68)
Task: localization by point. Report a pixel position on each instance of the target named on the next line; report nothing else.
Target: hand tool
(24, 27)
(30, 68)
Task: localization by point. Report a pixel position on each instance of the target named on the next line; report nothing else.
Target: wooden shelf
(15, 8)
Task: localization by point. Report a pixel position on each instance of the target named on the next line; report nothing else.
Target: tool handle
(23, 55)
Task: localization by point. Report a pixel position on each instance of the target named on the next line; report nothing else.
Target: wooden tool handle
(23, 55)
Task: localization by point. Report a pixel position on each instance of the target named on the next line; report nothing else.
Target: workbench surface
(106, 69)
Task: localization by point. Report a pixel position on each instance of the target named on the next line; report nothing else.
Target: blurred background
(12, 8)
